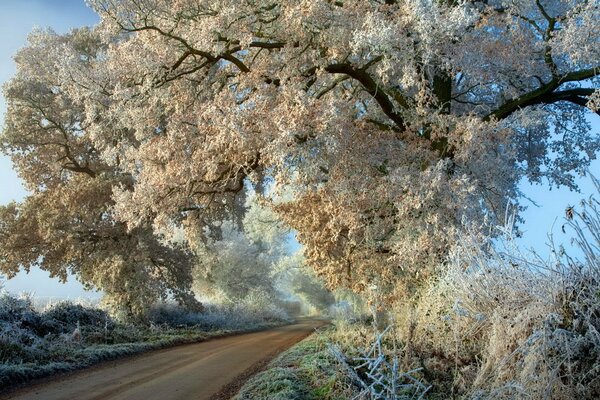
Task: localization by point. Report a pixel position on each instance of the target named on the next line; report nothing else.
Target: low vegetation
(502, 324)
(306, 371)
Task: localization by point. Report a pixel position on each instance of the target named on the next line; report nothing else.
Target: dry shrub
(500, 324)
(376, 374)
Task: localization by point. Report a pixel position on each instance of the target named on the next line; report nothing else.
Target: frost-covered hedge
(218, 316)
(66, 316)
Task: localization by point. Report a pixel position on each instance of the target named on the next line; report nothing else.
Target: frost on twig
(378, 377)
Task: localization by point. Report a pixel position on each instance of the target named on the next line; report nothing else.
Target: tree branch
(372, 88)
(542, 94)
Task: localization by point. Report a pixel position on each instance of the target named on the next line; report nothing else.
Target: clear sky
(19, 17)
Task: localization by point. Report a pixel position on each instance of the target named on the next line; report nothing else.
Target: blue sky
(19, 17)
(17, 20)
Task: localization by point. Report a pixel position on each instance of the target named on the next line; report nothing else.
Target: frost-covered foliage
(310, 289)
(69, 315)
(66, 225)
(250, 263)
(232, 267)
(247, 314)
(30, 336)
(386, 129)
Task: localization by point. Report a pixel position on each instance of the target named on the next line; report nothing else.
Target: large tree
(385, 127)
(66, 224)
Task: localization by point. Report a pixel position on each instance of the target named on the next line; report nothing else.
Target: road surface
(187, 372)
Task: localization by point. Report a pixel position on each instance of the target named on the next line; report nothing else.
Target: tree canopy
(382, 128)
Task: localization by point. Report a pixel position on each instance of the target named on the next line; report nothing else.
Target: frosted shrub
(18, 344)
(500, 324)
(19, 325)
(252, 311)
(14, 308)
(172, 315)
(67, 315)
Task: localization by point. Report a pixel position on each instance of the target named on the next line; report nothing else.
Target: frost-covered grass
(68, 336)
(503, 325)
(306, 371)
(317, 367)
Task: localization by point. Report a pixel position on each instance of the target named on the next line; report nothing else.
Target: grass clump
(306, 371)
(277, 383)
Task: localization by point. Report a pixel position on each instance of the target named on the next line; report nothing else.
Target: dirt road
(189, 372)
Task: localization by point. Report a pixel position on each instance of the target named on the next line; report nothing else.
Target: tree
(234, 266)
(386, 127)
(66, 225)
(255, 259)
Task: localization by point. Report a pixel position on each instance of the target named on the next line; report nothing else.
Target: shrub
(66, 316)
(502, 324)
(17, 309)
(250, 312)
(173, 315)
